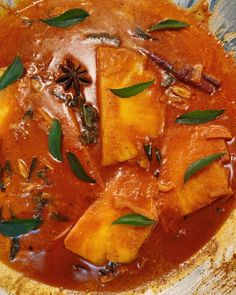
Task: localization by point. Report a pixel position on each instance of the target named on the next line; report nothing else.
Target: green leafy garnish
(200, 164)
(67, 19)
(135, 220)
(78, 169)
(14, 71)
(168, 24)
(132, 90)
(17, 227)
(199, 117)
(54, 140)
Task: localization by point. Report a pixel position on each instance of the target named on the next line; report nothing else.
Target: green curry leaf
(134, 220)
(199, 117)
(78, 169)
(55, 140)
(17, 227)
(67, 19)
(200, 164)
(132, 90)
(168, 24)
(13, 72)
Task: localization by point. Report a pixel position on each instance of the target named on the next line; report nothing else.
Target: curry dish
(117, 125)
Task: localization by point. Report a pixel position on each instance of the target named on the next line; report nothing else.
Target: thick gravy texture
(42, 254)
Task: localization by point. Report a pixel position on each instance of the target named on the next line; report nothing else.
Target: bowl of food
(117, 147)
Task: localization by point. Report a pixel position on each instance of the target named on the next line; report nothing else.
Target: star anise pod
(73, 76)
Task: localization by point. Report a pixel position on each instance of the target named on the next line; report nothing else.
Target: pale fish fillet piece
(184, 145)
(96, 239)
(126, 122)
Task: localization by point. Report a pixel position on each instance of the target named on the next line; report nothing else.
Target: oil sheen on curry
(117, 125)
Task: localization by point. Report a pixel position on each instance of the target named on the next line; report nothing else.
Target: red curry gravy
(42, 254)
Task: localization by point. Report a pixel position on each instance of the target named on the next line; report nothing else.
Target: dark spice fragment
(158, 155)
(157, 173)
(219, 210)
(15, 247)
(40, 202)
(28, 114)
(33, 165)
(8, 168)
(58, 216)
(139, 33)
(78, 267)
(148, 150)
(110, 271)
(1, 213)
(42, 174)
(88, 136)
(89, 117)
(167, 80)
(73, 76)
(211, 79)
(2, 187)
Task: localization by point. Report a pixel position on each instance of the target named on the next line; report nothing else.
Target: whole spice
(76, 77)
(73, 76)
(184, 72)
(23, 169)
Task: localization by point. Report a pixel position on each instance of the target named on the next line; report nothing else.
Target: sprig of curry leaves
(67, 19)
(200, 164)
(13, 72)
(134, 220)
(132, 90)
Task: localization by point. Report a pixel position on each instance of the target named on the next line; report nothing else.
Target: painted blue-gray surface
(190, 3)
(223, 20)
